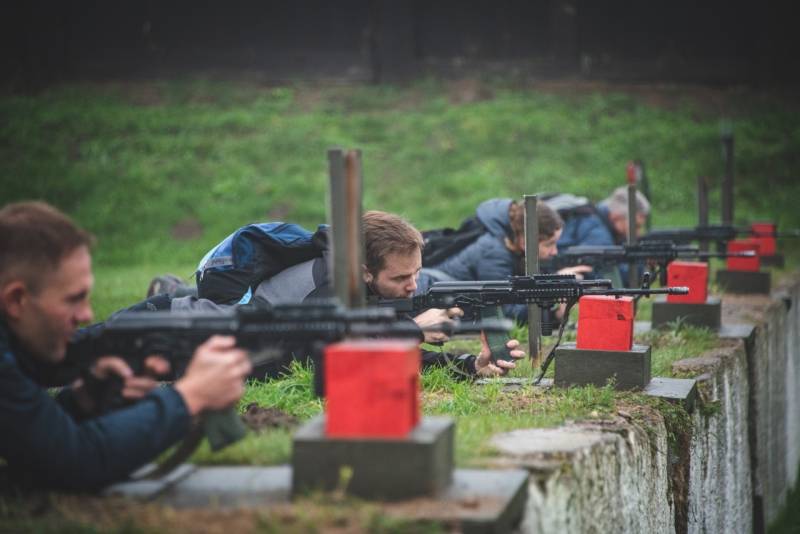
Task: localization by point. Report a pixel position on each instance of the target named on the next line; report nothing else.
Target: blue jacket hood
(493, 214)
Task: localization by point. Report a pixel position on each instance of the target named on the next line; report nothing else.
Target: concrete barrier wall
(730, 473)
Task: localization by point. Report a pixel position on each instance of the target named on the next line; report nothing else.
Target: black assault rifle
(272, 334)
(713, 233)
(657, 254)
(481, 299)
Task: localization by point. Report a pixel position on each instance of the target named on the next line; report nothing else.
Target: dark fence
(378, 40)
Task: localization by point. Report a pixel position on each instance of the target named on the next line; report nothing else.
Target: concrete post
(347, 252)
(532, 267)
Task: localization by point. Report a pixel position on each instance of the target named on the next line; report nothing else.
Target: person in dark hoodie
(60, 442)
(500, 251)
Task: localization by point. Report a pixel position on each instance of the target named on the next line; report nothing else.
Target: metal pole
(702, 206)
(532, 267)
(347, 253)
(633, 274)
(644, 185)
(726, 136)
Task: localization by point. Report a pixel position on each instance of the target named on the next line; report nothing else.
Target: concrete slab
(579, 367)
(737, 331)
(707, 314)
(478, 501)
(678, 390)
(532, 441)
(641, 327)
(744, 282)
(148, 489)
(420, 464)
(230, 487)
(776, 260)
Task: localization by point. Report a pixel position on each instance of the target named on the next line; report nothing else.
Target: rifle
(713, 233)
(652, 253)
(272, 334)
(481, 299)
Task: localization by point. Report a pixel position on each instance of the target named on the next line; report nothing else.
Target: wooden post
(531, 268)
(347, 251)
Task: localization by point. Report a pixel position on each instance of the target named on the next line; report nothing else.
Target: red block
(764, 234)
(692, 274)
(372, 388)
(605, 323)
(744, 264)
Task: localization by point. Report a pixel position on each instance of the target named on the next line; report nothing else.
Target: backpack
(231, 270)
(442, 243)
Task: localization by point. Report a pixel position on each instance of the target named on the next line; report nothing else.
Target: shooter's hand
(133, 387)
(215, 377)
(436, 316)
(577, 270)
(484, 366)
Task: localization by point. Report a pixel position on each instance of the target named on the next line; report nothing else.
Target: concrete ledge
(678, 390)
(707, 314)
(580, 367)
(744, 282)
(421, 464)
(776, 260)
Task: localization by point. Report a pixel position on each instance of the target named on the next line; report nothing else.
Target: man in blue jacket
(59, 442)
(604, 224)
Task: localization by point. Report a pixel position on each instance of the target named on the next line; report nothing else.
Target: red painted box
(605, 323)
(372, 388)
(692, 274)
(764, 234)
(744, 264)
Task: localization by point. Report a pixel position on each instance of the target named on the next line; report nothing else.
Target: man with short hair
(604, 224)
(60, 442)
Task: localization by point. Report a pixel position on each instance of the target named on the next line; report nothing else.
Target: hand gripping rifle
(272, 334)
(481, 299)
(713, 233)
(657, 254)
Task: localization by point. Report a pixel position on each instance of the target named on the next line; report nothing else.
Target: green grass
(161, 171)
(135, 163)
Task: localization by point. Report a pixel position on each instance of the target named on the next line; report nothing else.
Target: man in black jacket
(60, 442)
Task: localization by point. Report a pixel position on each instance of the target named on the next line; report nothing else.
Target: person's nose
(412, 284)
(84, 314)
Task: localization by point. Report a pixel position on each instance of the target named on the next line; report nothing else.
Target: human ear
(366, 274)
(13, 297)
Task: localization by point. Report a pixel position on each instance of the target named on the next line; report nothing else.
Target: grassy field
(161, 171)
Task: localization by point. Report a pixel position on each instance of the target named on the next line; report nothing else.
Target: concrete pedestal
(578, 367)
(744, 282)
(419, 465)
(707, 314)
(774, 260)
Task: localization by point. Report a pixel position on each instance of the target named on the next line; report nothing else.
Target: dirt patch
(258, 418)
(744, 308)
(467, 91)
(188, 228)
(325, 514)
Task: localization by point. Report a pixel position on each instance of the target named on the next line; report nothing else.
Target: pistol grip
(223, 428)
(497, 340)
